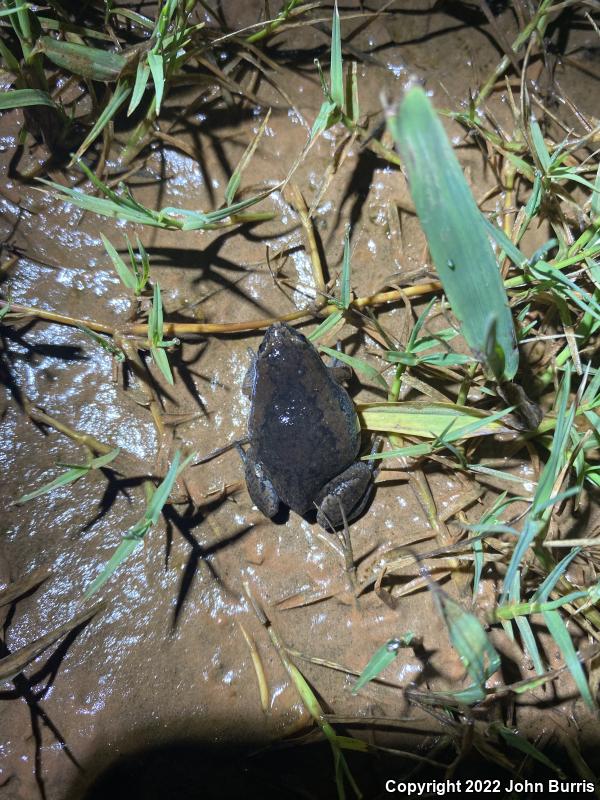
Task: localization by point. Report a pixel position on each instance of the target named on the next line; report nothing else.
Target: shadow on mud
(188, 769)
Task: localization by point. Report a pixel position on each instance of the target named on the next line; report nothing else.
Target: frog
(303, 433)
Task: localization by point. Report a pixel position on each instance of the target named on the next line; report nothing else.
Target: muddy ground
(157, 695)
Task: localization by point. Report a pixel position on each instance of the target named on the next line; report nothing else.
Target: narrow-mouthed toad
(303, 433)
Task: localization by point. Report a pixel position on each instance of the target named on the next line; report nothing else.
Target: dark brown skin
(304, 434)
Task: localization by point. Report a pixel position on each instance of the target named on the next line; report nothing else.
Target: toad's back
(303, 428)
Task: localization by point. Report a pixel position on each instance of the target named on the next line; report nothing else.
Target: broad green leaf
(454, 228)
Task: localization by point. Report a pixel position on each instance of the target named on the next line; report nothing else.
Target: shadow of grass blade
(455, 232)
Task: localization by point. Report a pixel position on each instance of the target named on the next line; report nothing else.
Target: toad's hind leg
(352, 489)
(260, 488)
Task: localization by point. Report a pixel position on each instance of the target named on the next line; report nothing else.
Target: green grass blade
(539, 146)
(5, 309)
(5, 12)
(135, 535)
(328, 324)
(357, 364)
(328, 115)
(162, 362)
(455, 231)
(336, 66)
(352, 109)
(519, 742)
(157, 332)
(554, 576)
(10, 61)
(312, 704)
(470, 642)
(539, 513)
(124, 273)
(104, 343)
(527, 637)
(70, 476)
(429, 420)
(139, 87)
(102, 461)
(157, 68)
(381, 659)
(130, 543)
(120, 94)
(595, 205)
(511, 250)
(235, 180)
(345, 294)
(161, 495)
(562, 639)
(81, 59)
(20, 98)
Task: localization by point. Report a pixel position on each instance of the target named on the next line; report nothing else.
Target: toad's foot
(351, 489)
